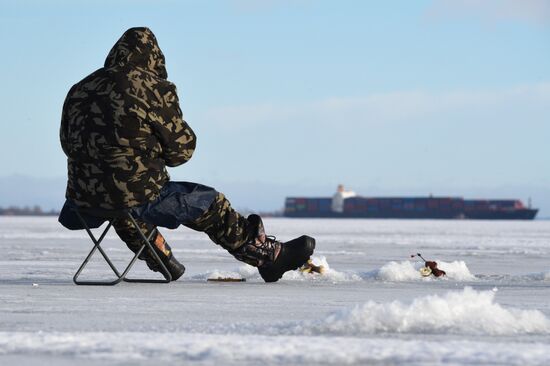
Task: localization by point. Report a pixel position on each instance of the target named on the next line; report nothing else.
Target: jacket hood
(138, 47)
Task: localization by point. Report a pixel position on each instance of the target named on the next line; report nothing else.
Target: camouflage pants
(193, 205)
(128, 233)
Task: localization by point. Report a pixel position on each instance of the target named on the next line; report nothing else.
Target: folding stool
(111, 216)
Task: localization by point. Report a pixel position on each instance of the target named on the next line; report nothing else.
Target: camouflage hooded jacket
(122, 125)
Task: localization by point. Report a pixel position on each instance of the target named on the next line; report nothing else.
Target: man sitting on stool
(120, 127)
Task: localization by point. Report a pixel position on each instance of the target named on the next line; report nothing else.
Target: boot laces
(271, 238)
(271, 245)
(270, 241)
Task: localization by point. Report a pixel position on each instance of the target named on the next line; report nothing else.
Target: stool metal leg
(147, 243)
(120, 276)
(97, 246)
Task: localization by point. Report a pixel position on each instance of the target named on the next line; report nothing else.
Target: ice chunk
(410, 271)
(457, 312)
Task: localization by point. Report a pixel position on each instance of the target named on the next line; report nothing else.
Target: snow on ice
(371, 305)
(458, 312)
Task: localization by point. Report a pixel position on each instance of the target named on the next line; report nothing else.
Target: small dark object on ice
(430, 267)
(435, 271)
(226, 279)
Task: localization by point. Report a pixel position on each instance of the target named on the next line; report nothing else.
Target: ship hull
(471, 216)
(410, 208)
(523, 214)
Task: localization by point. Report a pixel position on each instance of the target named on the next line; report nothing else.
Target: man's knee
(180, 203)
(223, 224)
(213, 215)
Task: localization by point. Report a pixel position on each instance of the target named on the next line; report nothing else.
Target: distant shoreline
(28, 215)
(26, 211)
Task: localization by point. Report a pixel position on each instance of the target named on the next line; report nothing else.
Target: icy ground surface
(370, 307)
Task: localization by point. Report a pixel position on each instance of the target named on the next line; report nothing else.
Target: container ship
(346, 204)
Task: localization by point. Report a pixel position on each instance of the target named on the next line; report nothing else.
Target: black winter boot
(173, 266)
(164, 252)
(272, 257)
(293, 255)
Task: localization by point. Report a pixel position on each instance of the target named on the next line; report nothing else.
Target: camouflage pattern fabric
(128, 233)
(232, 231)
(122, 125)
(225, 226)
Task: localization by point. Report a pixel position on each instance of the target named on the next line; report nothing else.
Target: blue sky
(294, 97)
